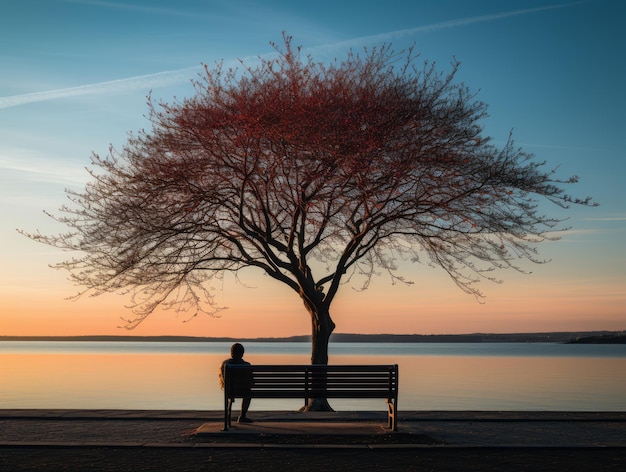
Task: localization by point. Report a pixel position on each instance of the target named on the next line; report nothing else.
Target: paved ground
(111, 440)
(480, 429)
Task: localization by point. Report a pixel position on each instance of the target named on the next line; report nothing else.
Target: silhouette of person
(236, 357)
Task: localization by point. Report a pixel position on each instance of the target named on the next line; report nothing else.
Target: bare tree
(316, 175)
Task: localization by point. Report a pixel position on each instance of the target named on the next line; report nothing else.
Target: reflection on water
(184, 375)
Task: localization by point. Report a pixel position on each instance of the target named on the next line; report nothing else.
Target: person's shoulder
(235, 362)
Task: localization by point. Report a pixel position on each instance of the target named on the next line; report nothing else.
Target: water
(437, 376)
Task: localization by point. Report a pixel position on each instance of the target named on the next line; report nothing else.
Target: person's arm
(221, 375)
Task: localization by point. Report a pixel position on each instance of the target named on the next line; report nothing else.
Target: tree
(316, 175)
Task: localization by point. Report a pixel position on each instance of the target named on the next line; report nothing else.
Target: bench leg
(228, 409)
(392, 418)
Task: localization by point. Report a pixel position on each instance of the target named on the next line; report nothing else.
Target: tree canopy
(313, 173)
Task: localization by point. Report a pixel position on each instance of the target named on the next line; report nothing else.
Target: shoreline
(557, 336)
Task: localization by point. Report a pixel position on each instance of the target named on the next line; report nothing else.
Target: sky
(74, 76)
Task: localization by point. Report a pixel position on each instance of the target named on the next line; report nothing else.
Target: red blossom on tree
(315, 174)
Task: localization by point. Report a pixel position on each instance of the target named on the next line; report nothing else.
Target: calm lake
(437, 376)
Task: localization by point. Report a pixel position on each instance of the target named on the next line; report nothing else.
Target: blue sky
(75, 74)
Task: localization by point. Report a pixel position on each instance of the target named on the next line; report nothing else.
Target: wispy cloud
(160, 79)
(43, 170)
(480, 19)
(565, 148)
(609, 218)
(389, 36)
(140, 82)
(144, 9)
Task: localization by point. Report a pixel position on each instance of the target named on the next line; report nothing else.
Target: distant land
(612, 338)
(585, 337)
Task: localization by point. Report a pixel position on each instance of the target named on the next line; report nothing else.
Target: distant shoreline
(587, 337)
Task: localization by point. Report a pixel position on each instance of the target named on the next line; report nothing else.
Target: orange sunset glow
(524, 303)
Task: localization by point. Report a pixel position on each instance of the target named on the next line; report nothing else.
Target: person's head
(236, 351)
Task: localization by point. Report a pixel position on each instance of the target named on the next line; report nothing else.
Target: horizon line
(519, 333)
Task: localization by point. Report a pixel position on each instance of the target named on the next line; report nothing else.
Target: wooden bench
(312, 381)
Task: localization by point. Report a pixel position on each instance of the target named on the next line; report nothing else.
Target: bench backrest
(311, 381)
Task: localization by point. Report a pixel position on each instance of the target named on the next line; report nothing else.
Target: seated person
(236, 357)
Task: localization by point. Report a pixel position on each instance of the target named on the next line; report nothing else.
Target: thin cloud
(164, 78)
(565, 148)
(479, 19)
(383, 37)
(149, 9)
(159, 79)
(609, 218)
(45, 171)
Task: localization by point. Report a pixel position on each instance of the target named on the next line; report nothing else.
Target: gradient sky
(74, 75)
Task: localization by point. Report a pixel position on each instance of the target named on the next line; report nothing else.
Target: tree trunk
(322, 328)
